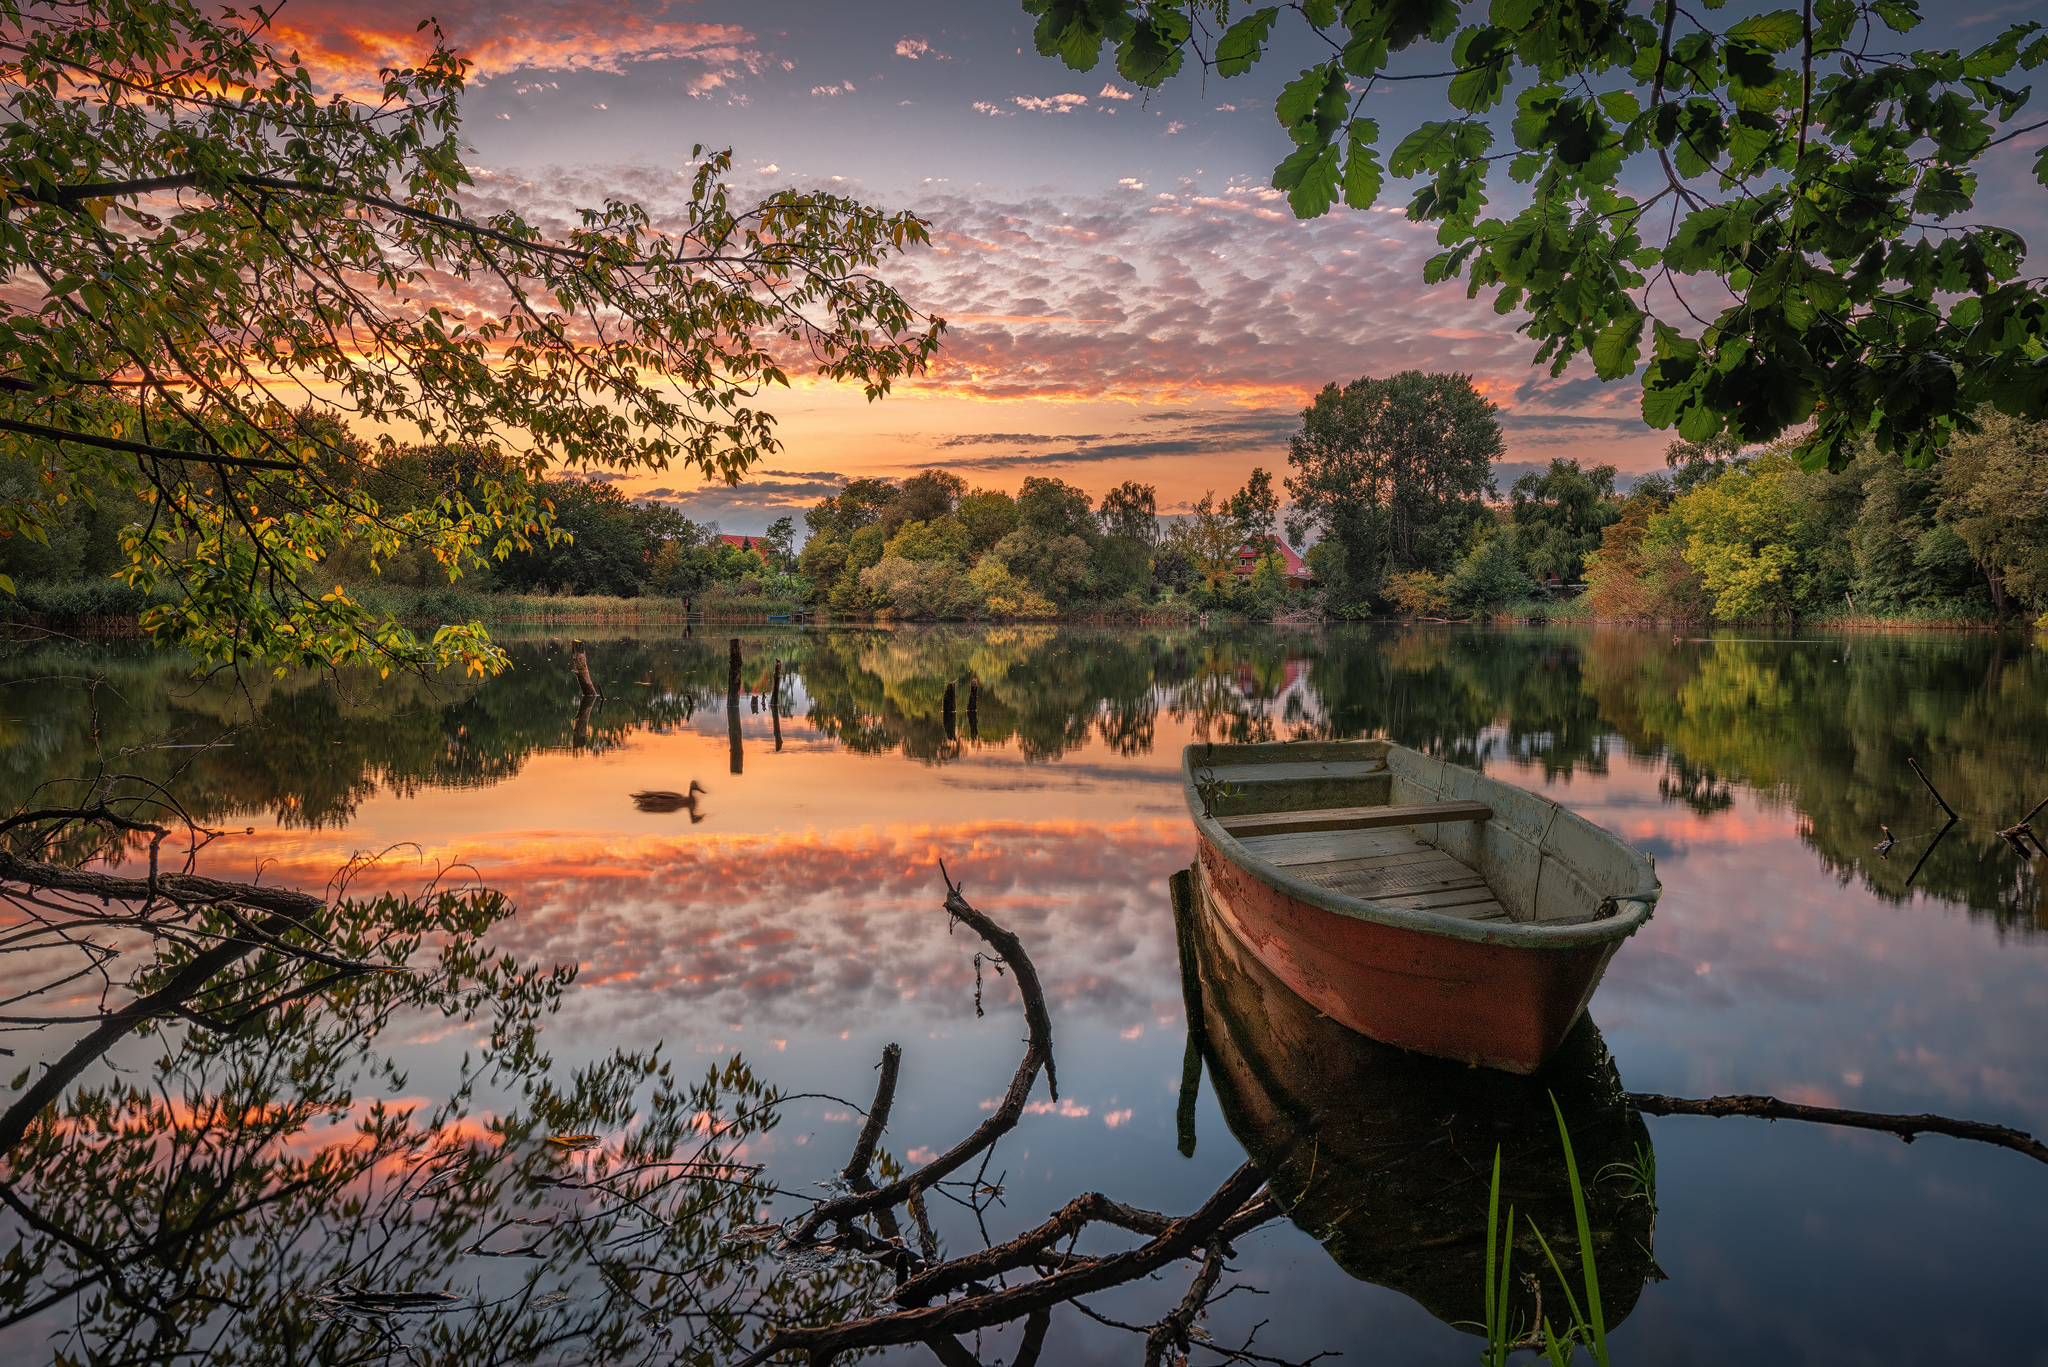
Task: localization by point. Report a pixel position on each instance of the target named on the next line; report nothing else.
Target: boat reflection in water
(1393, 1181)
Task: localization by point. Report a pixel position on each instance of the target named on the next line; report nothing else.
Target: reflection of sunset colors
(799, 925)
(802, 929)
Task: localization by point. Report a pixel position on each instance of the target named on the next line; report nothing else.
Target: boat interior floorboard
(1392, 867)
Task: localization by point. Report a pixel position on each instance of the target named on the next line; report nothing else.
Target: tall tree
(1995, 495)
(989, 515)
(1695, 462)
(858, 505)
(1822, 174)
(1131, 510)
(1056, 508)
(1256, 509)
(926, 496)
(1559, 514)
(782, 536)
(1206, 538)
(216, 264)
(1392, 472)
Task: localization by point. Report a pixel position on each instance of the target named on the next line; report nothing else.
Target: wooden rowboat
(1394, 1181)
(1417, 902)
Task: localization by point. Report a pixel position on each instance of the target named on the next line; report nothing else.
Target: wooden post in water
(973, 695)
(732, 670)
(775, 691)
(946, 712)
(732, 729)
(580, 663)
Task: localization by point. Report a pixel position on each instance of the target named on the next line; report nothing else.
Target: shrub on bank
(62, 604)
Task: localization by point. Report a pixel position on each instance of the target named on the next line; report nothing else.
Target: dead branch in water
(936, 1301)
(1904, 1126)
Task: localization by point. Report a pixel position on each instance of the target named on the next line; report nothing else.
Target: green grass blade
(1571, 1302)
(1571, 1165)
(1494, 1308)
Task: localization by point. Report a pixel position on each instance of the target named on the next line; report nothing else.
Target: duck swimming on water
(662, 800)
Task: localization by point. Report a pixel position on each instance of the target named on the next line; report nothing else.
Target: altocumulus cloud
(1217, 293)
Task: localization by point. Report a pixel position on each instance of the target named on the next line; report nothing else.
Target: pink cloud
(346, 46)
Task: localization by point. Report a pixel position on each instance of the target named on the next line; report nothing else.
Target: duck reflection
(1394, 1182)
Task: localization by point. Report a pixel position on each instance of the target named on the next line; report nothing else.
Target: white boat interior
(1390, 826)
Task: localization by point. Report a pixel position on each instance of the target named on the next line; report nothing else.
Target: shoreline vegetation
(1394, 492)
(114, 610)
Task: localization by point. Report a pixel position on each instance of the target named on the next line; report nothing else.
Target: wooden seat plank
(1313, 847)
(1355, 818)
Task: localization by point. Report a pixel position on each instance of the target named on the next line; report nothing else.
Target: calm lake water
(794, 917)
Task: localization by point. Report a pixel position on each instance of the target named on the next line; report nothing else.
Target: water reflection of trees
(308, 750)
(266, 1191)
(1825, 726)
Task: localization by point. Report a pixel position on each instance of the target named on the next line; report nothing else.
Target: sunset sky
(1127, 298)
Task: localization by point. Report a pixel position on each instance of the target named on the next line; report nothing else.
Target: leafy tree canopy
(1803, 160)
(924, 497)
(989, 515)
(1256, 507)
(858, 505)
(1558, 516)
(1132, 510)
(1392, 471)
(1056, 508)
(211, 286)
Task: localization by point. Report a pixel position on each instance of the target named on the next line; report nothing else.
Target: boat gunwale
(1632, 911)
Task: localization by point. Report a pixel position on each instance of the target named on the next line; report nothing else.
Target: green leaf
(1773, 32)
(1621, 105)
(1288, 173)
(1154, 51)
(1314, 187)
(1298, 97)
(1362, 175)
(1478, 88)
(1514, 14)
(1321, 13)
(1364, 54)
(7, 587)
(1074, 30)
(1243, 43)
(1434, 146)
(1943, 191)
(1617, 347)
(1697, 423)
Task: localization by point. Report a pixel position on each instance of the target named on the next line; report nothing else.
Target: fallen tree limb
(942, 1300)
(1904, 1126)
(1037, 1054)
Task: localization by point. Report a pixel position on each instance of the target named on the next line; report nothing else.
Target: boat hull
(1500, 1005)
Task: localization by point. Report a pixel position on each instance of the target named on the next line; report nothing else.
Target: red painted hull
(1503, 1006)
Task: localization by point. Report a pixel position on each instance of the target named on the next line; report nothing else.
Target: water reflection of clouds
(808, 930)
(1757, 976)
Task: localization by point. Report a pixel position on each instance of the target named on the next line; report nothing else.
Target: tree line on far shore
(1394, 479)
(1391, 479)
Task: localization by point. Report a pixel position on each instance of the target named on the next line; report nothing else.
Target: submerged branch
(978, 1298)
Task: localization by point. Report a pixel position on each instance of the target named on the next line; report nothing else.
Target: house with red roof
(757, 544)
(1245, 559)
